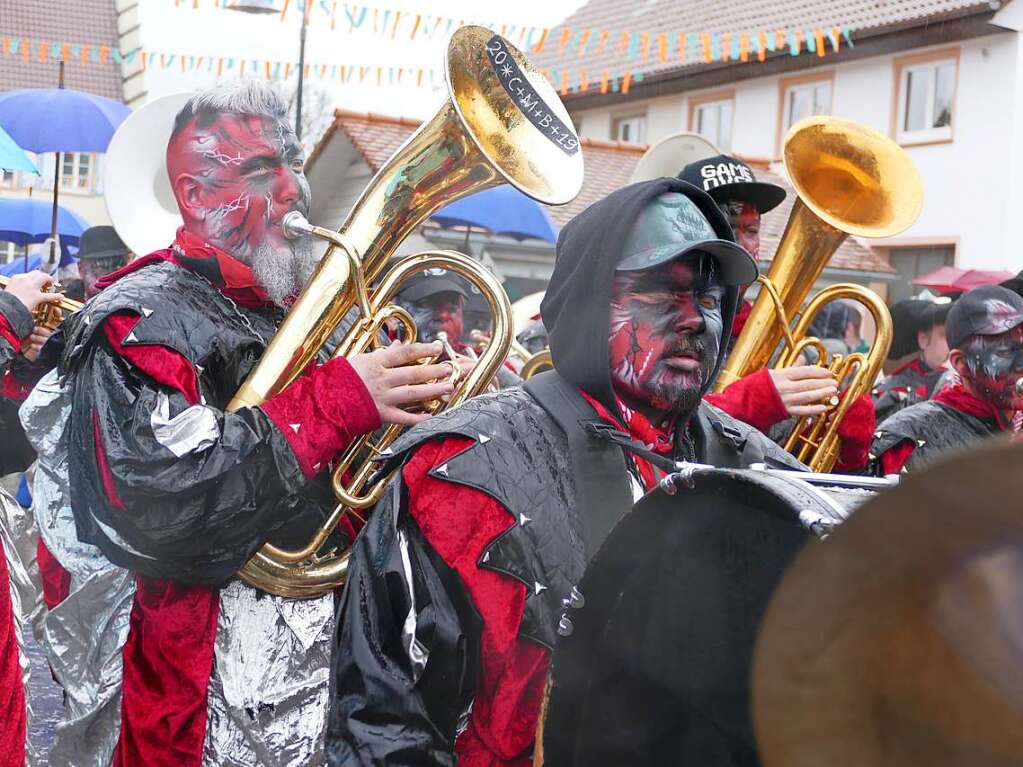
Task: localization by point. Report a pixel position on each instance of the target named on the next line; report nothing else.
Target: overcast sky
(210, 31)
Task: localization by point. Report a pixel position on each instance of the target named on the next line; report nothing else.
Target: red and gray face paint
(240, 174)
(744, 219)
(994, 368)
(665, 335)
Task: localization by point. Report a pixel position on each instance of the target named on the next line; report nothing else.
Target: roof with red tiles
(86, 22)
(863, 17)
(609, 166)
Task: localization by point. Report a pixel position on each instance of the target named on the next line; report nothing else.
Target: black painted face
(665, 336)
(994, 368)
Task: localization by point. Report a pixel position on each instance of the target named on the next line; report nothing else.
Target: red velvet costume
(12, 692)
(175, 629)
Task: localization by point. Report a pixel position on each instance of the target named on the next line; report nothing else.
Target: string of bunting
(627, 46)
(566, 80)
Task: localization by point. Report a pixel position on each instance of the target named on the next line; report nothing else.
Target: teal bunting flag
(811, 41)
(715, 46)
(848, 37)
(793, 44)
(633, 50)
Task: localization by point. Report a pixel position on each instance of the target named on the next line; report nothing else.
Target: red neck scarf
(226, 273)
(638, 427)
(956, 396)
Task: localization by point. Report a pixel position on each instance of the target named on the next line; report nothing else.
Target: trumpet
(50, 314)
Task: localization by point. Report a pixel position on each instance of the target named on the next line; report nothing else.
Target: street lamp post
(270, 6)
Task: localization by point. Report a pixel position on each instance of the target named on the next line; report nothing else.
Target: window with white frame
(713, 121)
(631, 129)
(803, 100)
(926, 99)
(77, 170)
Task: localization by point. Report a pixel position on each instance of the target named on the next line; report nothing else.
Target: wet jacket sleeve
(405, 663)
(173, 487)
(15, 326)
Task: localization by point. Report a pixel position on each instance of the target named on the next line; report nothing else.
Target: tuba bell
(849, 180)
(502, 123)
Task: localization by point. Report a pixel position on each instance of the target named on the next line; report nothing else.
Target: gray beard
(283, 272)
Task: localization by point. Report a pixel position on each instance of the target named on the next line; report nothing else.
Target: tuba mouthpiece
(295, 225)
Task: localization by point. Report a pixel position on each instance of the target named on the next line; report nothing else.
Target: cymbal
(899, 640)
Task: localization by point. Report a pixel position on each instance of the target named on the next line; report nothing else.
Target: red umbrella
(952, 279)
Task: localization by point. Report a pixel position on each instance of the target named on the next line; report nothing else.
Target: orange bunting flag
(600, 43)
(644, 44)
(5, 45)
(394, 29)
(626, 82)
(583, 40)
(43, 47)
(241, 70)
(26, 51)
(708, 48)
(419, 79)
(623, 40)
(836, 36)
(818, 39)
(269, 76)
(564, 82)
(762, 49)
(726, 46)
(681, 47)
(584, 81)
(662, 48)
(603, 81)
(415, 26)
(284, 9)
(104, 52)
(287, 70)
(333, 16)
(220, 65)
(744, 46)
(779, 39)
(543, 39)
(145, 60)
(566, 35)
(65, 52)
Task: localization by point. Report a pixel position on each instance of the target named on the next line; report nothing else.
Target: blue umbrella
(24, 220)
(60, 119)
(12, 157)
(500, 210)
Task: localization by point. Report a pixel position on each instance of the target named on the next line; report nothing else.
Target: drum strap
(599, 470)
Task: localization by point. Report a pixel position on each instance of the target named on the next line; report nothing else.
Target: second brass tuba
(853, 180)
(502, 123)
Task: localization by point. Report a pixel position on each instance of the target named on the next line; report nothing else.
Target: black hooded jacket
(403, 697)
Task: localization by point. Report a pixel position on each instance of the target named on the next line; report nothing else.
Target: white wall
(973, 186)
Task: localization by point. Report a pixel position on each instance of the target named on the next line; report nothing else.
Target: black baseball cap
(909, 317)
(989, 310)
(99, 242)
(729, 179)
(431, 282)
(672, 225)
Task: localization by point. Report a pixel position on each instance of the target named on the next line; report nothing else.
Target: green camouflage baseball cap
(671, 226)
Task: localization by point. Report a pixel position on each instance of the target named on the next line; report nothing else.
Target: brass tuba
(502, 123)
(850, 180)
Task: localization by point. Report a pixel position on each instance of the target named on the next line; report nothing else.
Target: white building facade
(955, 105)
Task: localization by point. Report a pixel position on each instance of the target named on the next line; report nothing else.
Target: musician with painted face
(153, 495)
(984, 330)
(769, 397)
(468, 570)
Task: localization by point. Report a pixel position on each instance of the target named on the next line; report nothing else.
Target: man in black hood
(464, 578)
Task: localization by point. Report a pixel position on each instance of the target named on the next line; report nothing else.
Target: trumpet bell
(146, 219)
(854, 178)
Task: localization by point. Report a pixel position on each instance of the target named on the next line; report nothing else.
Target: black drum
(653, 663)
